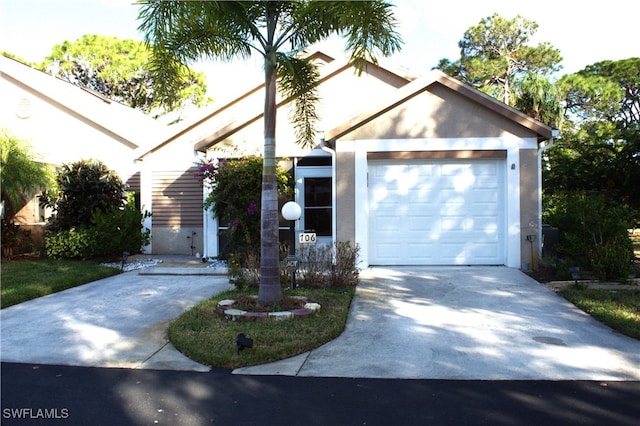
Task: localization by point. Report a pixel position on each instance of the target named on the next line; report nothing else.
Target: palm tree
(21, 176)
(181, 32)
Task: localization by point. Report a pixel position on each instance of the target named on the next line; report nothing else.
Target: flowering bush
(236, 189)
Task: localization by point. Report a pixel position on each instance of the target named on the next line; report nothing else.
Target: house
(416, 171)
(65, 123)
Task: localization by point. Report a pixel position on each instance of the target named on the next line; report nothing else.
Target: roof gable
(415, 88)
(245, 110)
(128, 126)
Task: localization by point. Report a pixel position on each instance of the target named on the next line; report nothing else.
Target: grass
(28, 279)
(204, 335)
(619, 309)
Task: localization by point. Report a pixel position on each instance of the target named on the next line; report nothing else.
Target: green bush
(120, 229)
(593, 233)
(84, 187)
(110, 233)
(236, 195)
(74, 243)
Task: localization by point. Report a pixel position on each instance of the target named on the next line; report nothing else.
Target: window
(317, 206)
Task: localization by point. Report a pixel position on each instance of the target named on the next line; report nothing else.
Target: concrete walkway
(486, 323)
(120, 321)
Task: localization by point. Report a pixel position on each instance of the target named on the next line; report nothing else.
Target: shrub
(244, 270)
(110, 233)
(120, 229)
(593, 233)
(84, 187)
(316, 268)
(74, 243)
(236, 195)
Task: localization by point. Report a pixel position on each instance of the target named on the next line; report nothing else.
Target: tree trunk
(270, 290)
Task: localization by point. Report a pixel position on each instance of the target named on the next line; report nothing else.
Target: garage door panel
(443, 212)
(454, 254)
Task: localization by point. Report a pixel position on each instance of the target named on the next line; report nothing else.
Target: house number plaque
(307, 238)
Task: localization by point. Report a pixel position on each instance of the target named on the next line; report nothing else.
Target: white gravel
(145, 263)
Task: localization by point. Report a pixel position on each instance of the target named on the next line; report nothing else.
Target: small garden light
(125, 256)
(242, 342)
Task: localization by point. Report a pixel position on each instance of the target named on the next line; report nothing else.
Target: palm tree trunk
(270, 291)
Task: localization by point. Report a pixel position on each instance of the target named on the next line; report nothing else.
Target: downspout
(541, 150)
(334, 215)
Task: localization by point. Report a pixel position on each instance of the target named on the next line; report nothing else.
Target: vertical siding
(176, 199)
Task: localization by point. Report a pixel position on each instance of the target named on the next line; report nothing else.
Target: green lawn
(619, 309)
(27, 279)
(205, 335)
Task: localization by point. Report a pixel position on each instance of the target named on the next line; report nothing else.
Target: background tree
(277, 31)
(537, 97)
(118, 70)
(600, 147)
(495, 56)
(21, 175)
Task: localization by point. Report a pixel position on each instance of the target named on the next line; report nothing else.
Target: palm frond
(182, 32)
(298, 79)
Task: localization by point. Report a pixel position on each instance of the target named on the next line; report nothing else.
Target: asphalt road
(112, 396)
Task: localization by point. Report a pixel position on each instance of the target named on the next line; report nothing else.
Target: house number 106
(307, 238)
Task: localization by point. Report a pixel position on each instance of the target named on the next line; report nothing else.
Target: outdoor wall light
(242, 342)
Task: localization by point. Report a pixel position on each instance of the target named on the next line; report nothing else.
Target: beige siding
(439, 112)
(345, 197)
(176, 199)
(529, 205)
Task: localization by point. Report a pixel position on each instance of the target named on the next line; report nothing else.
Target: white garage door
(436, 212)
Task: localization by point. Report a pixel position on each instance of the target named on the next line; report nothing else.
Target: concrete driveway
(486, 323)
(490, 323)
(120, 321)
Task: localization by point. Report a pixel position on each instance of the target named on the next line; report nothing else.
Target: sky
(584, 32)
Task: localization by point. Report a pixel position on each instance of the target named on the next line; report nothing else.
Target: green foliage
(110, 233)
(495, 56)
(593, 234)
(94, 217)
(83, 187)
(236, 199)
(626, 75)
(117, 69)
(21, 175)
(74, 243)
(539, 98)
(600, 144)
(120, 229)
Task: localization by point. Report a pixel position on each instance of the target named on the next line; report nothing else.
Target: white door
(436, 212)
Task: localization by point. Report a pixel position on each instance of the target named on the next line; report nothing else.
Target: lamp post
(291, 211)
